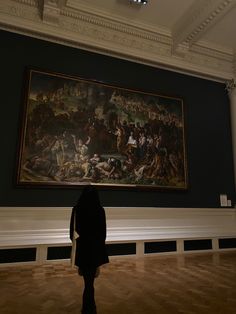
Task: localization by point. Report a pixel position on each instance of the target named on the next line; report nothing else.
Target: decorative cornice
(33, 3)
(53, 21)
(197, 20)
(123, 28)
(216, 51)
(18, 11)
(116, 35)
(76, 6)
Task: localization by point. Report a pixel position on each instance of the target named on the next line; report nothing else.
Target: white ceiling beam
(197, 21)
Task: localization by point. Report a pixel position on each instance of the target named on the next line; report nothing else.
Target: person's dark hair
(89, 198)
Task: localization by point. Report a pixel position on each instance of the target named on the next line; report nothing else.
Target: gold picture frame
(78, 132)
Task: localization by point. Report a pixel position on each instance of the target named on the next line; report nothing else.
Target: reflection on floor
(196, 283)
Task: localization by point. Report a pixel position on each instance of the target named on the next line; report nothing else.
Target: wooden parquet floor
(188, 284)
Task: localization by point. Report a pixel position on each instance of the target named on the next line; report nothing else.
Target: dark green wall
(209, 150)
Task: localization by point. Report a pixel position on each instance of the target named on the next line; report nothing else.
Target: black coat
(90, 224)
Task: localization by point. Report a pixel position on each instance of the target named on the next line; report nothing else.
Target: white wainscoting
(49, 226)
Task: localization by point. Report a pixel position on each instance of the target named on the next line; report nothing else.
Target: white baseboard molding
(60, 236)
(42, 228)
(50, 225)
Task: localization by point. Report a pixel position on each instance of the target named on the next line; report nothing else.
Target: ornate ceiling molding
(54, 21)
(197, 20)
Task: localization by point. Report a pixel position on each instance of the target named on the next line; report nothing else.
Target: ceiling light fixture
(140, 1)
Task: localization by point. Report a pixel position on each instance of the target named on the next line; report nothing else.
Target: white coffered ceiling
(190, 36)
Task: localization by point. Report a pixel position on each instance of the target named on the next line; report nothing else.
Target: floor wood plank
(187, 284)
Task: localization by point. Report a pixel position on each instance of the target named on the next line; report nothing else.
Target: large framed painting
(79, 132)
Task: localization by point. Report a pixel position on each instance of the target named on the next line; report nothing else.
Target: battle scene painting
(79, 132)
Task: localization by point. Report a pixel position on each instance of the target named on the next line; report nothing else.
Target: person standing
(89, 221)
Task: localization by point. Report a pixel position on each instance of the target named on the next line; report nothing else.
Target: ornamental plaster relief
(198, 19)
(13, 9)
(53, 21)
(115, 37)
(34, 3)
(116, 26)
